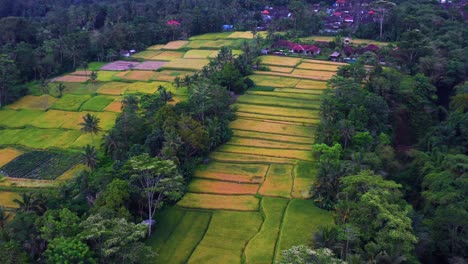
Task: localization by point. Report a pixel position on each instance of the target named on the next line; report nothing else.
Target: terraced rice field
(255, 184)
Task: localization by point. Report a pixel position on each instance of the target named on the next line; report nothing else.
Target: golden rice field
(186, 64)
(280, 61)
(174, 45)
(8, 154)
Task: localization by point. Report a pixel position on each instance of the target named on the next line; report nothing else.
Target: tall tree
(158, 180)
(90, 125)
(90, 157)
(382, 9)
(8, 73)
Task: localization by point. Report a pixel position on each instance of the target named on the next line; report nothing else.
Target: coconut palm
(92, 78)
(90, 157)
(164, 94)
(30, 202)
(110, 144)
(130, 102)
(90, 125)
(4, 216)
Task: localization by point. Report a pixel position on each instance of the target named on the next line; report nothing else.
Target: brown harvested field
(168, 55)
(115, 106)
(243, 35)
(309, 84)
(221, 202)
(280, 69)
(174, 45)
(277, 111)
(150, 65)
(71, 78)
(280, 61)
(273, 137)
(274, 128)
(267, 144)
(318, 67)
(278, 182)
(220, 187)
(139, 76)
(190, 64)
(8, 154)
(169, 75)
(229, 177)
(305, 155)
(33, 102)
(273, 81)
(113, 88)
(321, 75)
(6, 199)
(81, 73)
(301, 188)
(248, 158)
(119, 66)
(275, 118)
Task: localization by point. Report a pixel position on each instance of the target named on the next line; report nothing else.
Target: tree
(30, 202)
(130, 103)
(90, 158)
(158, 180)
(60, 88)
(45, 89)
(4, 216)
(58, 223)
(68, 250)
(90, 125)
(304, 255)
(382, 8)
(8, 73)
(164, 94)
(93, 78)
(115, 197)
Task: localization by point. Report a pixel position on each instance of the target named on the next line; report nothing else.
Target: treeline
(148, 157)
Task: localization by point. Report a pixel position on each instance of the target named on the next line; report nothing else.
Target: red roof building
(173, 23)
(265, 12)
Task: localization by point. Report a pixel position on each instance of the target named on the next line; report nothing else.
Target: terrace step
(301, 96)
(220, 202)
(277, 111)
(271, 118)
(247, 158)
(239, 141)
(272, 137)
(221, 187)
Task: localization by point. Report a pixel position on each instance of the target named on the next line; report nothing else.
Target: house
(228, 27)
(348, 19)
(127, 53)
(371, 48)
(335, 56)
(297, 48)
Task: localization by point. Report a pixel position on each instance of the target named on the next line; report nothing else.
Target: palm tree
(110, 144)
(177, 82)
(4, 216)
(130, 102)
(60, 88)
(30, 202)
(45, 89)
(164, 94)
(92, 78)
(90, 125)
(90, 157)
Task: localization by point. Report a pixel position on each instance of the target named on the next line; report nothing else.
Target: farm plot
(146, 54)
(156, 47)
(281, 119)
(33, 102)
(200, 54)
(115, 106)
(174, 45)
(226, 237)
(7, 199)
(72, 173)
(168, 55)
(8, 154)
(70, 102)
(316, 92)
(113, 88)
(318, 67)
(143, 87)
(39, 138)
(150, 65)
(273, 128)
(248, 142)
(325, 62)
(215, 44)
(71, 78)
(18, 118)
(258, 170)
(314, 97)
(169, 76)
(85, 139)
(189, 64)
(312, 85)
(280, 69)
(313, 74)
(301, 220)
(221, 187)
(181, 232)
(143, 76)
(109, 76)
(97, 103)
(242, 35)
(248, 158)
(261, 249)
(41, 165)
(273, 137)
(221, 202)
(211, 36)
(269, 152)
(279, 101)
(274, 81)
(55, 119)
(26, 183)
(120, 66)
(278, 182)
(280, 61)
(304, 175)
(227, 177)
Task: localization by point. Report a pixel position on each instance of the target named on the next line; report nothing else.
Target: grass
(107, 119)
(189, 64)
(55, 119)
(8, 154)
(97, 103)
(280, 61)
(309, 84)
(85, 139)
(226, 237)
(273, 81)
(200, 54)
(242, 169)
(221, 202)
(270, 152)
(174, 45)
(113, 88)
(261, 249)
(19, 118)
(248, 158)
(177, 234)
(278, 111)
(279, 101)
(273, 128)
(273, 137)
(221, 187)
(70, 102)
(302, 219)
(304, 175)
(249, 142)
(6, 199)
(278, 181)
(318, 67)
(168, 55)
(211, 36)
(215, 44)
(33, 102)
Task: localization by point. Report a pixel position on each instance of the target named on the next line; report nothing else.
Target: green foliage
(56, 224)
(68, 250)
(304, 255)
